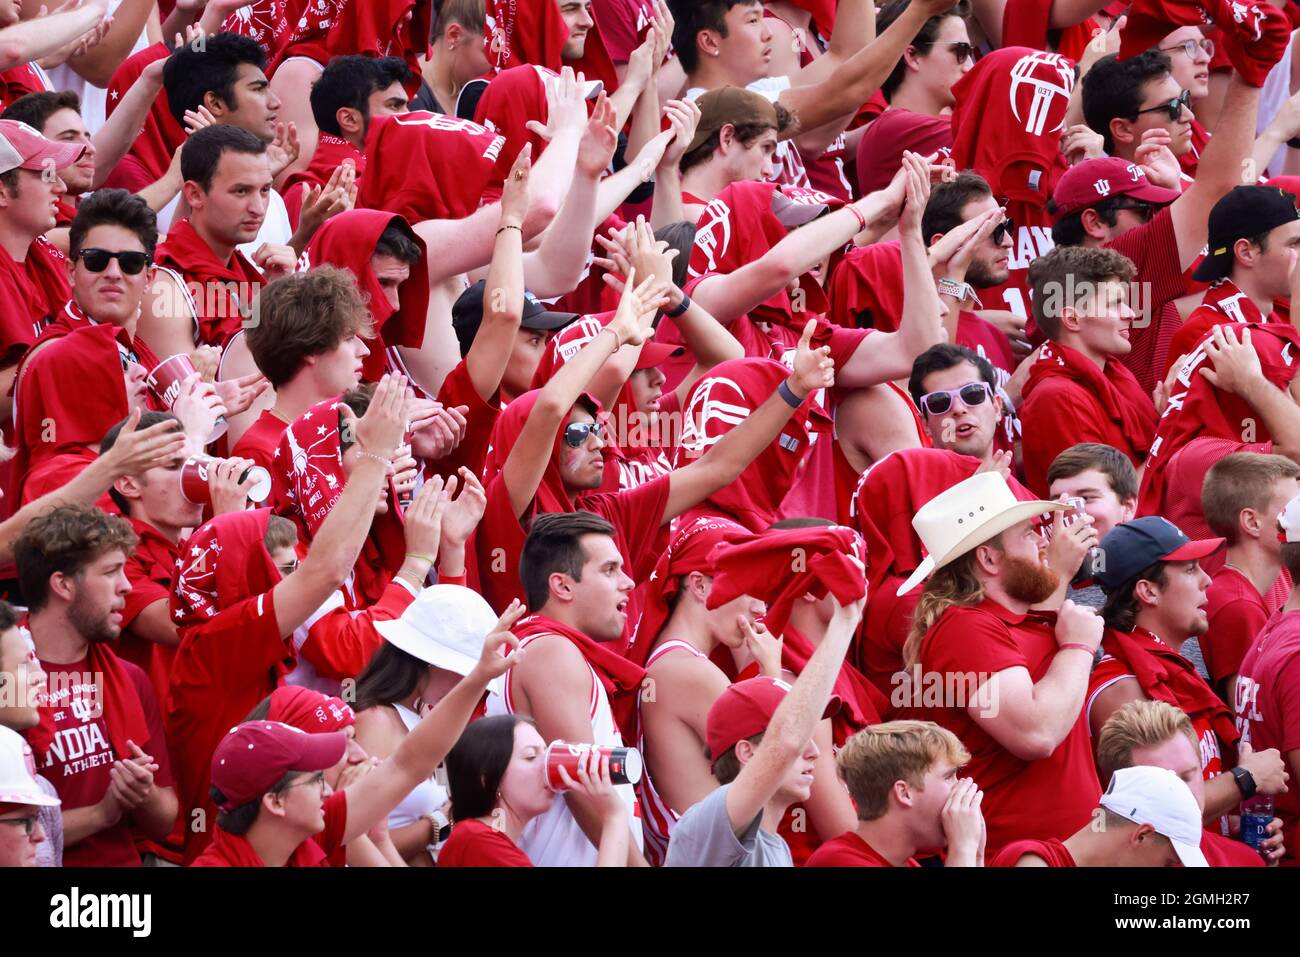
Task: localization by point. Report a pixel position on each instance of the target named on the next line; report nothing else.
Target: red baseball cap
(255, 755)
(745, 709)
(656, 354)
(1096, 180)
(21, 147)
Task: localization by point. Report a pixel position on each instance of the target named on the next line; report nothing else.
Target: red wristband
(862, 220)
(1076, 644)
(453, 579)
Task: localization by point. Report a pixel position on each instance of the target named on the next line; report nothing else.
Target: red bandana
(533, 31)
(222, 564)
(427, 166)
(514, 97)
(229, 289)
(309, 710)
(348, 240)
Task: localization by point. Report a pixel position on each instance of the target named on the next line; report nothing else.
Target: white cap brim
(1190, 854)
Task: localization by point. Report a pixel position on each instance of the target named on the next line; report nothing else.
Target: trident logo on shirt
(713, 233)
(1026, 73)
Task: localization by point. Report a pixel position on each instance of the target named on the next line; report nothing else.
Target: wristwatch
(1245, 782)
(961, 291)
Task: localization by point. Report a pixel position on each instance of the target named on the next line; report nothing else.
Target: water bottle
(1256, 815)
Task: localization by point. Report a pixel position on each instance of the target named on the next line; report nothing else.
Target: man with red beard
(1004, 676)
(33, 274)
(1078, 391)
(100, 739)
(206, 285)
(1155, 599)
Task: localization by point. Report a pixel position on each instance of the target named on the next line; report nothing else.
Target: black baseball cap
(467, 315)
(1130, 548)
(1244, 212)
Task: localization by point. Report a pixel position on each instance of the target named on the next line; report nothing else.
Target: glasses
(1003, 230)
(971, 394)
(317, 779)
(1143, 211)
(1172, 107)
(288, 568)
(1190, 47)
(96, 260)
(961, 49)
(28, 824)
(575, 435)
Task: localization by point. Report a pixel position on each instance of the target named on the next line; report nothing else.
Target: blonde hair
(954, 584)
(1139, 724)
(874, 758)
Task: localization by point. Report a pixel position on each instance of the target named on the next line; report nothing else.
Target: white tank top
(427, 797)
(554, 839)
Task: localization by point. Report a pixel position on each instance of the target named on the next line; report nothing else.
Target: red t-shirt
(261, 439)
(81, 756)
(150, 569)
(457, 390)
(1153, 247)
(218, 675)
(1223, 851)
(1237, 614)
(475, 844)
(1186, 474)
(850, 850)
(880, 151)
(1268, 707)
(622, 26)
(1052, 797)
(636, 515)
(317, 851)
(1051, 850)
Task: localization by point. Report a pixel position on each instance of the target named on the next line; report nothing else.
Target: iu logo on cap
(1102, 186)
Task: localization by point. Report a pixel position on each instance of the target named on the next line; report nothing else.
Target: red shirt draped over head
(70, 318)
(217, 291)
(1150, 21)
(348, 240)
(1224, 303)
(427, 166)
(621, 678)
(321, 29)
(722, 399)
(1068, 400)
(514, 97)
(32, 291)
(1007, 127)
(231, 654)
(56, 414)
(308, 477)
(331, 152)
(528, 31)
(156, 143)
(1198, 409)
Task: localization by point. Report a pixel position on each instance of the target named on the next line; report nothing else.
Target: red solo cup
(166, 378)
(194, 480)
(624, 763)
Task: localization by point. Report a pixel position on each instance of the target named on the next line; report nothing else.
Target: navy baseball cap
(1130, 548)
(467, 315)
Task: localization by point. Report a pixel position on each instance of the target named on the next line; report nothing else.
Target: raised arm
(376, 794)
(730, 455)
(119, 131)
(97, 64)
(792, 726)
(855, 28)
(1236, 369)
(35, 38)
(334, 551)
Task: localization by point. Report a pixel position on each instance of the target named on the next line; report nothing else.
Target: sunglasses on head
(1173, 107)
(1002, 230)
(971, 394)
(96, 260)
(575, 434)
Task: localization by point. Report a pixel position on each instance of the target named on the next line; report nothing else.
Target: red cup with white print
(624, 763)
(165, 381)
(194, 480)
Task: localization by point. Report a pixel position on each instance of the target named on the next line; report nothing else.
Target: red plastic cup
(624, 763)
(194, 480)
(165, 383)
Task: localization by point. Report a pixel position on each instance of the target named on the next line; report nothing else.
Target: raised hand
(514, 193)
(1236, 366)
(599, 140)
(683, 119)
(1078, 624)
(229, 494)
(379, 432)
(284, 149)
(813, 368)
(492, 663)
(566, 108)
(138, 450)
(465, 511)
(238, 394)
(422, 523)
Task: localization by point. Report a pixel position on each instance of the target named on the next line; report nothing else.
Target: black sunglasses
(1143, 211)
(961, 49)
(576, 433)
(1002, 230)
(96, 260)
(971, 394)
(1173, 107)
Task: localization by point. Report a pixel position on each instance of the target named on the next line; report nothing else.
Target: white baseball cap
(1157, 796)
(16, 783)
(444, 627)
(1288, 522)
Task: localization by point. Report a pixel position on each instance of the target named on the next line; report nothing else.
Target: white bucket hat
(16, 783)
(444, 627)
(966, 515)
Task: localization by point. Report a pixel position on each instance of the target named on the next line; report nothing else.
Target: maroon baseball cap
(254, 756)
(656, 354)
(1096, 180)
(745, 709)
(21, 147)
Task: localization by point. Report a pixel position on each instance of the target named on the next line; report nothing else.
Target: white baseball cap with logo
(21, 147)
(16, 783)
(1157, 796)
(445, 627)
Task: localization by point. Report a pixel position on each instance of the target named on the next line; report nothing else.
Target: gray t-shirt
(704, 838)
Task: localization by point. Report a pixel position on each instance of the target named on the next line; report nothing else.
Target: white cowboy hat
(444, 627)
(16, 784)
(966, 515)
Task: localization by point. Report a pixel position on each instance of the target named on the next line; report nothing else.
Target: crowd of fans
(932, 501)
